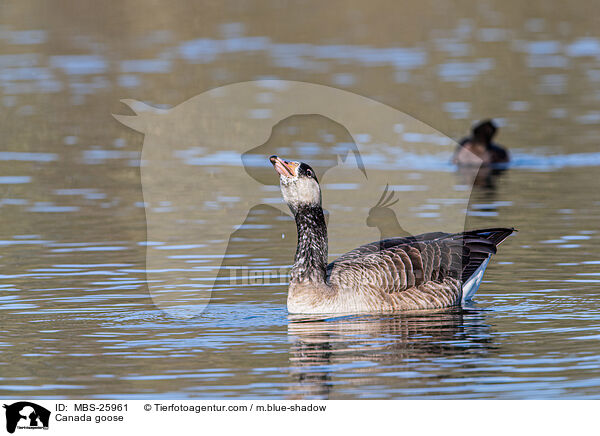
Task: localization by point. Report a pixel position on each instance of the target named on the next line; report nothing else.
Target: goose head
(298, 182)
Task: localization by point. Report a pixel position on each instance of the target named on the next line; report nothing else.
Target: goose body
(428, 271)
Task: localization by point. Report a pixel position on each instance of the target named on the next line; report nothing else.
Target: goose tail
(479, 246)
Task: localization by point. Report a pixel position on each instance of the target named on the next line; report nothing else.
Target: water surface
(77, 318)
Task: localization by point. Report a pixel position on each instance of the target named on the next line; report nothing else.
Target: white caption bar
(69, 417)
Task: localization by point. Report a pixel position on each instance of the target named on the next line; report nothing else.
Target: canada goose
(480, 146)
(428, 271)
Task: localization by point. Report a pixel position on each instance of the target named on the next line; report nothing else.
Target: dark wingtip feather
(481, 242)
(495, 235)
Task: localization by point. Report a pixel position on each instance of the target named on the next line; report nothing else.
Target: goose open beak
(284, 167)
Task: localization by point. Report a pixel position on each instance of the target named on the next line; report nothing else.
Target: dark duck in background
(428, 271)
(480, 145)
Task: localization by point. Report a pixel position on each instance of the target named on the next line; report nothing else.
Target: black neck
(311, 255)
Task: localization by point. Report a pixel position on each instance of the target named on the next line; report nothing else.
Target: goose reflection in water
(322, 347)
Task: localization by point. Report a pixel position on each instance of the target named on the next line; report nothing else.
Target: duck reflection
(365, 343)
(485, 177)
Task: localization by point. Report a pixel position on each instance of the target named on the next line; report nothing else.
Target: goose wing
(398, 264)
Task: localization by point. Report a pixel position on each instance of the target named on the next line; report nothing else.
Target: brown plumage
(428, 271)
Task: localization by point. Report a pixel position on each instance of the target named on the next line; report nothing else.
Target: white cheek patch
(309, 191)
(300, 191)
